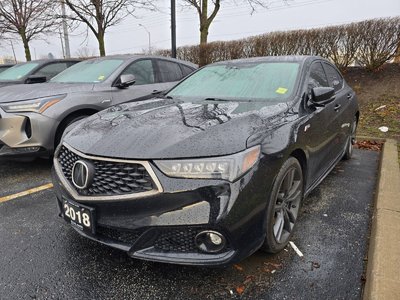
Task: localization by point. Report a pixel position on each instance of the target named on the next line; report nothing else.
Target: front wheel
(284, 205)
(351, 139)
(64, 125)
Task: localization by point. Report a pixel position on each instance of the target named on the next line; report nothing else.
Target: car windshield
(90, 71)
(18, 71)
(258, 81)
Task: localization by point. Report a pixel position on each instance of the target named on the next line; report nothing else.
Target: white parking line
(27, 192)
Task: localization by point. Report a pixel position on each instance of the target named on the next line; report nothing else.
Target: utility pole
(12, 47)
(173, 29)
(65, 29)
(148, 32)
(62, 45)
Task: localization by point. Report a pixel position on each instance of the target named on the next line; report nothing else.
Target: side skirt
(322, 177)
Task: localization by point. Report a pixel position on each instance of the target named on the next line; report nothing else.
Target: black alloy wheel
(284, 205)
(351, 139)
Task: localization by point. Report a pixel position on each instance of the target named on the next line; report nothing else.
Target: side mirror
(35, 79)
(322, 95)
(126, 80)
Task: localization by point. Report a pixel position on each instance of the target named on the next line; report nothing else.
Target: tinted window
(186, 70)
(169, 71)
(89, 71)
(334, 78)
(51, 70)
(264, 81)
(143, 71)
(18, 71)
(317, 76)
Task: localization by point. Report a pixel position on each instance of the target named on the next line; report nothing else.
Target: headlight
(36, 105)
(228, 167)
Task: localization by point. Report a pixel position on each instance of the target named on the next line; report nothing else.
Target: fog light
(210, 241)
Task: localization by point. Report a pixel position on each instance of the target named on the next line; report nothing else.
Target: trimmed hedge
(369, 43)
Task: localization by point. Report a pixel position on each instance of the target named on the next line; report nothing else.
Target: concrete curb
(383, 269)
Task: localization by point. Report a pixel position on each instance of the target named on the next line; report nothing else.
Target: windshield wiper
(217, 99)
(227, 100)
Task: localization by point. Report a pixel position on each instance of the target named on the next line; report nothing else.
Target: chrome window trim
(71, 190)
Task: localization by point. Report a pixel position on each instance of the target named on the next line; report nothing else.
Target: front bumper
(162, 227)
(24, 134)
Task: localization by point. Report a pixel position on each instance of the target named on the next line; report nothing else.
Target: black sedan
(216, 169)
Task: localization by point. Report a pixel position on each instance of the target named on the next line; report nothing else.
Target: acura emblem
(82, 174)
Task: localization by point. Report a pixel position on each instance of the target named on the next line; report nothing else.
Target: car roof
(287, 58)
(43, 61)
(130, 57)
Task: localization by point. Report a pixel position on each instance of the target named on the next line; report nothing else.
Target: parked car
(216, 169)
(32, 121)
(4, 67)
(36, 71)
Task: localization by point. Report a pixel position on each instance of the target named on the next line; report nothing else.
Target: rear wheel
(351, 139)
(284, 205)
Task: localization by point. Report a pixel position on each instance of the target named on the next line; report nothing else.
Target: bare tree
(207, 10)
(85, 52)
(29, 19)
(99, 15)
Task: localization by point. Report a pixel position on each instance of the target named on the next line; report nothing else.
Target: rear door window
(169, 71)
(142, 70)
(334, 78)
(186, 70)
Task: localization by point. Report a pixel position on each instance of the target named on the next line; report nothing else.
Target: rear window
(186, 70)
(243, 81)
(169, 71)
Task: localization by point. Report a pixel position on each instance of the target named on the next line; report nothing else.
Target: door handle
(107, 101)
(349, 96)
(155, 92)
(337, 107)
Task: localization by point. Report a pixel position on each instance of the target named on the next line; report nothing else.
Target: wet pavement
(41, 257)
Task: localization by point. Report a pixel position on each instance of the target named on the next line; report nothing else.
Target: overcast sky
(232, 22)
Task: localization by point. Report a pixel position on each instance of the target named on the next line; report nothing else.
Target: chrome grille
(111, 178)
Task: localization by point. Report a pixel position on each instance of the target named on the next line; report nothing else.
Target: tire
(348, 152)
(283, 206)
(64, 125)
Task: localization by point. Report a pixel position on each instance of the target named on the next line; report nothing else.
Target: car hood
(157, 129)
(8, 83)
(39, 90)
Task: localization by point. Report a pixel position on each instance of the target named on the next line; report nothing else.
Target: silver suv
(33, 118)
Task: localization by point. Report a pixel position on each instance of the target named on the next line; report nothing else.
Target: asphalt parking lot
(41, 257)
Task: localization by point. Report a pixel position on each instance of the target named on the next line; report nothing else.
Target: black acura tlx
(215, 169)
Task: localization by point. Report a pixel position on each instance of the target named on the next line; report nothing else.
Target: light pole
(173, 29)
(148, 32)
(65, 29)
